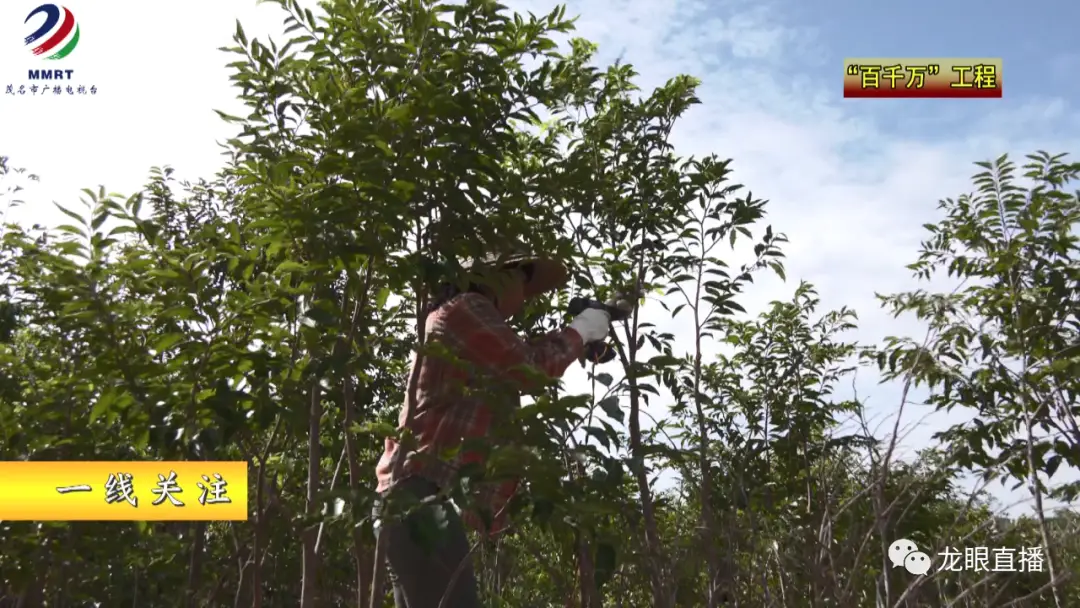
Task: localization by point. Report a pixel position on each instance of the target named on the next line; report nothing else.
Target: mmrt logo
(904, 553)
(56, 29)
(56, 36)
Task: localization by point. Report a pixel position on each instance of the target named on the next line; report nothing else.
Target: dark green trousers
(421, 569)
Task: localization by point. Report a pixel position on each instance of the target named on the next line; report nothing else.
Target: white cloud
(850, 193)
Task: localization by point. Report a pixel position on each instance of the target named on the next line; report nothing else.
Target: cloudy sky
(850, 181)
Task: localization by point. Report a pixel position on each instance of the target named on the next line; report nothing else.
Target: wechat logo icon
(904, 553)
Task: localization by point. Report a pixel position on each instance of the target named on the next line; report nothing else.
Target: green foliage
(1005, 342)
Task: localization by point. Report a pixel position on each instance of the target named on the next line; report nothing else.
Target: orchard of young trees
(270, 314)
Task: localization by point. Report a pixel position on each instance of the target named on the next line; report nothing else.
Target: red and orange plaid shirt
(474, 331)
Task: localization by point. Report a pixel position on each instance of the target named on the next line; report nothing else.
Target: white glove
(592, 325)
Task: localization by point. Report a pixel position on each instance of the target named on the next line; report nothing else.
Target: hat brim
(547, 274)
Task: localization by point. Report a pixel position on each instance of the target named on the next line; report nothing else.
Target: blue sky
(850, 181)
(1027, 34)
(1037, 41)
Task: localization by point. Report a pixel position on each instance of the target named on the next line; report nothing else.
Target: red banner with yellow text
(922, 78)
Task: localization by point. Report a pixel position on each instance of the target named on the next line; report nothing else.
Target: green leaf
(610, 405)
(99, 220)
(1052, 465)
(75, 216)
(599, 434)
(290, 266)
(75, 230)
(381, 298)
(377, 429)
(103, 405)
(122, 230)
(240, 36)
(167, 341)
(164, 273)
(382, 145)
(322, 316)
(663, 361)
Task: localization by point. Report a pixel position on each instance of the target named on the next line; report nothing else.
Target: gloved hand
(592, 325)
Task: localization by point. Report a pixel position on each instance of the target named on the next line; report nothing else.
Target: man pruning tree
(455, 401)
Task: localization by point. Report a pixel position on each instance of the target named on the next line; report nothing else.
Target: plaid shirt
(473, 330)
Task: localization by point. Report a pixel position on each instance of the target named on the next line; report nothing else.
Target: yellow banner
(123, 491)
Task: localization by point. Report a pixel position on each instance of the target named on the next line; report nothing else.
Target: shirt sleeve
(487, 340)
(539, 341)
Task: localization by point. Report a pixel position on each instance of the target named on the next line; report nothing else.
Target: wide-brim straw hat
(547, 274)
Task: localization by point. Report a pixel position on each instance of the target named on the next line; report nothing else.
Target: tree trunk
(195, 564)
(33, 596)
(352, 453)
(259, 543)
(637, 463)
(715, 589)
(310, 582)
(590, 598)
